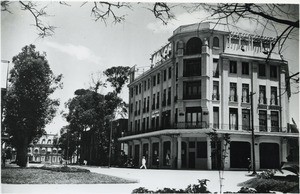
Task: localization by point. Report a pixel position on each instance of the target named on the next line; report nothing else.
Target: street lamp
(252, 135)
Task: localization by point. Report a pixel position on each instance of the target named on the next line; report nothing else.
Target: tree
(68, 142)
(89, 115)
(28, 104)
(117, 76)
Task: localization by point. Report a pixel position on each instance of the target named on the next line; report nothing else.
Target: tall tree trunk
(22, 153)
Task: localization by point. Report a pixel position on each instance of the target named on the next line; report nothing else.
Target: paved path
(151, 179)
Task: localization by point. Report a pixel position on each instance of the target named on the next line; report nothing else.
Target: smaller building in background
(45, 150)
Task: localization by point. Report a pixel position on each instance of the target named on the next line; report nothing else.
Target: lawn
(42, 176)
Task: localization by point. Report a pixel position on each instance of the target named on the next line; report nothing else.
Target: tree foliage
(28, 104)
(68, 142)
(117, 76)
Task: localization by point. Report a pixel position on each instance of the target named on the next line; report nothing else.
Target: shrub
(195, 188)
(64, 169)
(268, 174)
(247, 190)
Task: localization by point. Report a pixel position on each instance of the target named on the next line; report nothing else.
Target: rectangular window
(273, 71)
(216, 117)
(154, 80)
(262, 70)
(139, 111)
(153, 123)
(131, 92)
(246, 119)
(136, 90)
(176, 71)
(192, 67)
(233, 67)
(144, 124)
(262, 95)
(192, 90)
(149, 83)
(215, 94)
(262, 120)
(140, 88)
(194, 117)
(170, 72)
(233, 118)
(169, 96)
(245, 68)
(164, 101)
(191, 144)
(147, 124)
(216, 68)
(176, 115)
(274, 121)
(136, 107)
(144, 107)
(273, 100)
(157, 101)
(245, 93)
(165, 75)
(158, 78)
(157, 122)
(153, 102)
(145, 85)
(233, 93)
(148, 103)
(131, 107)
(201, 149)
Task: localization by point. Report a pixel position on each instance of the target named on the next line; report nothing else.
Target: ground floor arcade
(194, 149)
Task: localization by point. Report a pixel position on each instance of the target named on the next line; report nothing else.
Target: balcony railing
(245, 99)
(216, 73)
(215, 97)
(262, 100)
(204, 125)
(190, 97)
(233, 98)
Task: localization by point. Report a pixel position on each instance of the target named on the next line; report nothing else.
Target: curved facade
(201, 81)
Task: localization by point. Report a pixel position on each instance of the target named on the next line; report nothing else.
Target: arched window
(193, 46)
(49, 141)
(216, 42)
(43, 141)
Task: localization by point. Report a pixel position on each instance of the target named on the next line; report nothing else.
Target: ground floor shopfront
(194, 149)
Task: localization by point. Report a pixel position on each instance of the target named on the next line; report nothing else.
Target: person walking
(143, 163)
(249, 164)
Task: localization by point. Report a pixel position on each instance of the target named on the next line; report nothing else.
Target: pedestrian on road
(143, 163)
(249, 164)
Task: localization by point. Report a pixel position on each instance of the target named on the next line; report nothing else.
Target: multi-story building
(45, 150)
(203, 79)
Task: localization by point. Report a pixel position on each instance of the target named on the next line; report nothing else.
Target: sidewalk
(152, 179)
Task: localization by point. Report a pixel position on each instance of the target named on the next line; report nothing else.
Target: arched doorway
(269, 155)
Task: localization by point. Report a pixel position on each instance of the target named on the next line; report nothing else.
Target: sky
(82, 48)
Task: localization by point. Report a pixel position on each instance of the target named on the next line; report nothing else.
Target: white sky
(81, 46)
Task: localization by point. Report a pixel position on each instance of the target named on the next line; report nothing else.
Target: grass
(41, 176)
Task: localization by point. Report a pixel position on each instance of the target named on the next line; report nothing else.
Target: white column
(208, 153)
(179, 152)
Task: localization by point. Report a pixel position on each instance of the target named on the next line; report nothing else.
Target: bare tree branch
(162, 11)
(4, 6)
(44, 30)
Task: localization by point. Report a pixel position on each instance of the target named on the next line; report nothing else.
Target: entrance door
(136, 155)
(239, 154)
(192, 160)
(269, 155)
(183, 154)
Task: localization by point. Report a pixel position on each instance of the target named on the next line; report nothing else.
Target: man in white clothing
(143, 163)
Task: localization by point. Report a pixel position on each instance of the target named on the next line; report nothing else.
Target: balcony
(233, 98)
(245, 99)
(191, 97)
(262, 100)
(216, 74)
(215, 97)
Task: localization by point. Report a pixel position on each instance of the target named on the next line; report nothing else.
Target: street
(152, 179)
